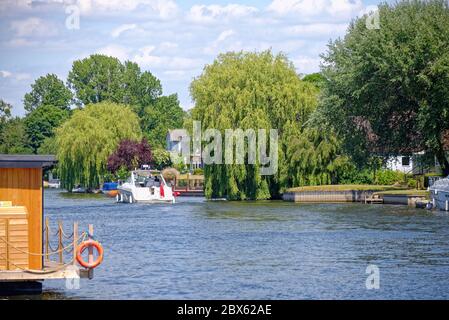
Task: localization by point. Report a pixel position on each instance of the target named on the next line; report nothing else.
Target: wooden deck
(62, 272)
(374, 199)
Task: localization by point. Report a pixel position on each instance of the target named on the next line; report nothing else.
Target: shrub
(388, 177)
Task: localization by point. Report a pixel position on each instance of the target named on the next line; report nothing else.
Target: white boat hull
(132, 194)
(439, 193)
(440, 199)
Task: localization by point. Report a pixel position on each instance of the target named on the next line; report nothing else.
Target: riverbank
(356, 193)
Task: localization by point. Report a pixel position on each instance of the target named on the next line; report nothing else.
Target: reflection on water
(197, 249)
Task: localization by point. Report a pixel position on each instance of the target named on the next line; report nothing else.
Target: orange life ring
(85, 245)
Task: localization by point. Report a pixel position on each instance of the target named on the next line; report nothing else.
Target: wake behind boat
(145, 186)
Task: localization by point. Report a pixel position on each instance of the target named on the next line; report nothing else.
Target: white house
(174, 144)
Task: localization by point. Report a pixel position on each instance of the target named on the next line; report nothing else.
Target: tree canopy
(386, 89)
(99, 78)
(41, 123)
(85, 141)
(5, 113)
(48, 90)
(130, 155)
(251, 90)
(163, 115)
(13, 138)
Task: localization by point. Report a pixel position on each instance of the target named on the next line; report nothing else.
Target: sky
(173, 39)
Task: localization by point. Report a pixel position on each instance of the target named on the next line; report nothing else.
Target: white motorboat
(439, 193)
(145, 186)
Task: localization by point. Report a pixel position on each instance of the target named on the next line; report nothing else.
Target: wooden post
(47, 239)
(7, 243)
(75, 241)
(60, 245)
(91, 252)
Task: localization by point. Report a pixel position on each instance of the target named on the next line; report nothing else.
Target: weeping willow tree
(257, 91)
(315, 158)
(86, 140)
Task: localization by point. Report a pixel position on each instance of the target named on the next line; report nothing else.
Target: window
(405, 161)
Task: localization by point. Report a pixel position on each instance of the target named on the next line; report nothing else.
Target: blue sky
(173, 39)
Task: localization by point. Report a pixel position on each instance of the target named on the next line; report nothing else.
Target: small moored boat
(110, 189)
(439, 193)
(145, 186)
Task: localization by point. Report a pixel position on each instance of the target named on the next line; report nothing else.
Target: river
(196, 249)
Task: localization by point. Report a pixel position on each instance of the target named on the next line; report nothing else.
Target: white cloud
(163, 8)
(316, 29)
(335, 8)
(14, 4)
(214, 47)
(306, 65)
(116, 51)
(224, 35)
(214, 12)
(5, 74)
(33, 27)
(146, 57)
(20, 42)
(16, 76)
(120, 29)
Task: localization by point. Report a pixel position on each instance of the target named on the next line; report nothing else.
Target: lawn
(348, 187)
(414, 192)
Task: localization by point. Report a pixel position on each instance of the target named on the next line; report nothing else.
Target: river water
(197, 249)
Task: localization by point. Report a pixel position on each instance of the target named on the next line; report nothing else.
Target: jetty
(368, 194)
(26, 255)
(189, 185)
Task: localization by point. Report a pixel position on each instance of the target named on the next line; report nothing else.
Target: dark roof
(26, 161)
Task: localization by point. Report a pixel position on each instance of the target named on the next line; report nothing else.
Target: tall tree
(85, 141)
(158, 118)
(13, 138)
(386, 89)
(41, 123)
(316, 158)
(99, 78)
(48, 90)
(5, 113)
(251, 91)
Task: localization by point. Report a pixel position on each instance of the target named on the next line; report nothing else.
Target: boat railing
(66, 244)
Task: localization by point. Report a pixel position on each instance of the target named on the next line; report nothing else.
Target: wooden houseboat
(24, 255)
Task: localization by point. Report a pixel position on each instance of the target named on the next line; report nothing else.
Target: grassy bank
(348, 187)
(410, 192)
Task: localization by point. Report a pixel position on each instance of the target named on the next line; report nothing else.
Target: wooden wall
(24, 188)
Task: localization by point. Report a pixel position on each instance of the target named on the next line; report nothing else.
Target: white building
(174, 144)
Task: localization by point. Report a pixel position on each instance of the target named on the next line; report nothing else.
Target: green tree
(386, 89)
(99, 78)
(95, 79)
(48, 90)
(85, 141)
(316, 158)
(158, 118)
(161, 158)
(5, 111)
(258, 91)
(316, 79)
(13, 138)
(41, 123)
